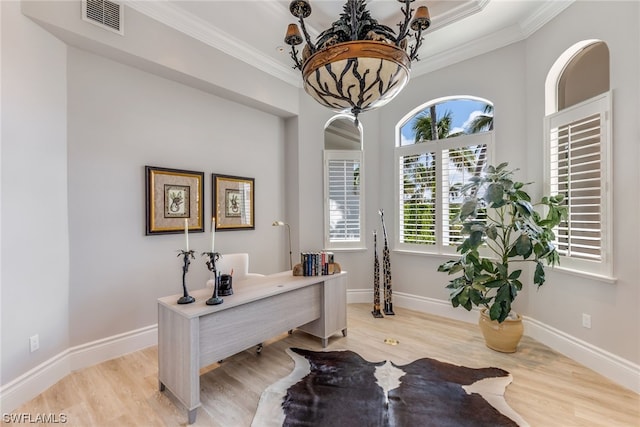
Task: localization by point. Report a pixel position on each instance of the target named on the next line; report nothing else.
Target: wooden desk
(195, 335)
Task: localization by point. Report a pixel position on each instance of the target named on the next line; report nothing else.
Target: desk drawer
(227, 332)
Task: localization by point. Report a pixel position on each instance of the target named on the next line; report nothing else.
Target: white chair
(235, 264)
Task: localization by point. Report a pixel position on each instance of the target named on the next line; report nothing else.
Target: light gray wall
(35, 245)
(614, 308)
(513, 79)
(121, 119)
(483, 77)
(156, 48)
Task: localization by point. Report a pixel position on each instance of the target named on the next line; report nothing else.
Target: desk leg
(192, 416)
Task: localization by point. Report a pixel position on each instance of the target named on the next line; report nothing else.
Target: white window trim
(602, 104)
(343, 155)
(437, 146)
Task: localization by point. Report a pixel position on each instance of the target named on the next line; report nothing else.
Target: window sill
(429, 254)
(585, 274)
(358, 249)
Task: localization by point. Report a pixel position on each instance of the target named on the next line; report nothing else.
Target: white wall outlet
(34, 342)
(586, 320)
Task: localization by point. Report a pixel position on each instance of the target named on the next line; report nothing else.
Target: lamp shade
(356, 76)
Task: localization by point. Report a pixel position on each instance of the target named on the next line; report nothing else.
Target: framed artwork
(233, 202)
(173, 195)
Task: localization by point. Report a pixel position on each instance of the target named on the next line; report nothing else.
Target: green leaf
(494, 193)
(495, 311)
(524, 246)
(524, 208)
(515, 274)
(539, 276)
(492, 232)
(468, 209)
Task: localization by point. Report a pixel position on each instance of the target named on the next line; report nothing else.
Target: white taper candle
(186, 233)
(213, 233)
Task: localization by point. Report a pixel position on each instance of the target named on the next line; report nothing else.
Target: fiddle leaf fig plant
(502, 230)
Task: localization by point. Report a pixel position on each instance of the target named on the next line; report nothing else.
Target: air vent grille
(104, 13)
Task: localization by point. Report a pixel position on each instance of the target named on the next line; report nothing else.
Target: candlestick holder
(211, 265)
(185, 298)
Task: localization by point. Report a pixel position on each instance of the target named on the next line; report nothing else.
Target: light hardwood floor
(548, 389)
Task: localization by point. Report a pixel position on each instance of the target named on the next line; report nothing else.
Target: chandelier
(357, 64)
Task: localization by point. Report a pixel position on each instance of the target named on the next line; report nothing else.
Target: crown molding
(469, 50)
(457, 13)
(195, 27)
(548, 10)
(545, 13)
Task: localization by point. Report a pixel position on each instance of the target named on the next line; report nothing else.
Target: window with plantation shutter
(439, 147)
(578, 143)
(430, 176)
(343, 195)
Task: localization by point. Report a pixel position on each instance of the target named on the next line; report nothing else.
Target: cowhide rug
(340, 388)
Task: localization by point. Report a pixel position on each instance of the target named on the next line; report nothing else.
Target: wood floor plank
(548, 389)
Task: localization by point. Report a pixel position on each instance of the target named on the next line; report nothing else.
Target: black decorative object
(211, 265)
(376, 278)
(185, 298)
(225, 285)
(386, 266)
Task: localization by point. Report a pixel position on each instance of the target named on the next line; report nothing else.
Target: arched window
(578, 155)
(439, 147)
(343, 183)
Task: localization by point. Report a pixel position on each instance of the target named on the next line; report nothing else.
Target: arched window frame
(439, 148)
(556, 123)
(343, 160)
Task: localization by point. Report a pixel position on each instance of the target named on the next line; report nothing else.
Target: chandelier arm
(307, 38)
(294, 56)
(414, 49)
(404, 26)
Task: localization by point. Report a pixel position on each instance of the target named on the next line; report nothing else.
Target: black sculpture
(185, 298)
(386, 265)
(376, 278)
(211, 265)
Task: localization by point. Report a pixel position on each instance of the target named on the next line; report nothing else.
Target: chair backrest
(238, 263)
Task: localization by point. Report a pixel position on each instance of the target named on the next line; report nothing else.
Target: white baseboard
(617, 369)
(35, 381)
(29, 385)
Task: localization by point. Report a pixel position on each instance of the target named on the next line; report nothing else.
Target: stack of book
(316, 263)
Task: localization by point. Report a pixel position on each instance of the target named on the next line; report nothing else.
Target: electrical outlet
(34, 342)
(586, 320)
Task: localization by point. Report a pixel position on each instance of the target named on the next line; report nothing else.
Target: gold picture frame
(233, 202)
(173, 195)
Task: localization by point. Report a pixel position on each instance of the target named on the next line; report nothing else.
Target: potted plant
(502, 230)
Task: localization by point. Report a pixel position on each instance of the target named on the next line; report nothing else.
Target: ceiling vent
(104, 13)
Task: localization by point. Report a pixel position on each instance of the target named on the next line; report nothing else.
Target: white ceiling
(253, 30)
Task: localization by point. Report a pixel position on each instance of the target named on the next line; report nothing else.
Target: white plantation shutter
(458, 166)
(578, 143)
(343, 193)
(417, 204)
(429, 175)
